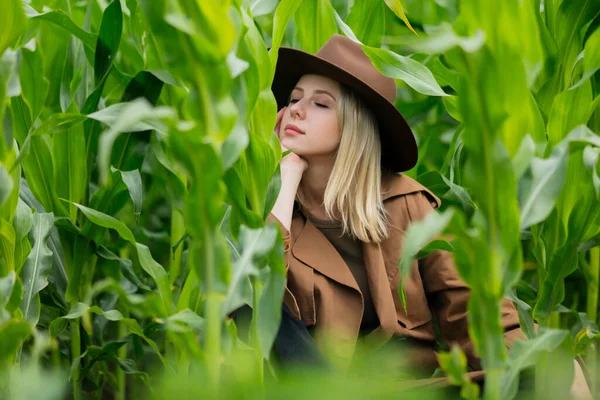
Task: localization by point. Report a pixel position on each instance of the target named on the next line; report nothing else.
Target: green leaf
(68, 151)
(61, 19)
(439, 40)
(78, 310)
(11, 293)
(315, 17)
(133, 181)
(12, 335)
(237, 199)
(419, 234)
(146, 84)
(37, 162)
(109, 38)
(256, 245)
(415, 74)
(12, 23)
(158, 273)
(6, 185)
(367, 20)
(591, 58)
(131, 115)
(7, 284)
(34, 84)
(233, 146)
(185, 321)
(569, 109)
(524, 354)
(454, 363)
(434, 245)
(126, 267)
(269, 305)
(284, 11)
(7, 245)
(37, 267)
(106, 221)
(571, 17)
(262, 7)
(525, 315)
(23, 223)
(523, 157)
(396, 7)
(543, 183)
(9, 87)
(346, 30)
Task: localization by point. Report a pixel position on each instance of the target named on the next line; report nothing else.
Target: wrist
(291, 176)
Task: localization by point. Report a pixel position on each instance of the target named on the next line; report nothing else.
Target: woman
(343, 210)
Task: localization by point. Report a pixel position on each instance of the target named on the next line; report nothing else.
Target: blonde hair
(353, 191)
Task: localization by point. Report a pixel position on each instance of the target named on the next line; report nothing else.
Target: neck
(314, 181)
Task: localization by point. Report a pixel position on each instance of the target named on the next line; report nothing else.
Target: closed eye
(321, 105)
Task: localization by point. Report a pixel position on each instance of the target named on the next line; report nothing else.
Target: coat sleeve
(448, 295)
(288, 297)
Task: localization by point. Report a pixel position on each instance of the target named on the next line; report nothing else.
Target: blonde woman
(343, 209)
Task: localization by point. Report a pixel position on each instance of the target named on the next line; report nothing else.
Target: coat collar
(393, 185)
(313, 249)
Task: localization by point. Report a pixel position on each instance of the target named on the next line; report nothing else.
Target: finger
(279, 118)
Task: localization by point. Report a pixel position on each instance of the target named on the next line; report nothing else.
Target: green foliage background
(138, 165)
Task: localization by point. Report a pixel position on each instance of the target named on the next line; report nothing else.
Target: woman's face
(309, 127)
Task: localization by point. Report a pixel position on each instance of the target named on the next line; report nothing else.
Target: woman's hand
(291, 163)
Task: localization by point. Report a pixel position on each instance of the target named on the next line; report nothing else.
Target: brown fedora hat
(344, 61)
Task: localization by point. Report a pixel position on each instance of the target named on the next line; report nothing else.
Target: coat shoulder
(394, 185)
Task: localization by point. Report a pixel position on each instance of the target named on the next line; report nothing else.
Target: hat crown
(348, 55)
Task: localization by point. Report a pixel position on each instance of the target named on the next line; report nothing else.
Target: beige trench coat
(322, 292)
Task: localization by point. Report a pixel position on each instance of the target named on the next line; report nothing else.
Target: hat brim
(398, 145)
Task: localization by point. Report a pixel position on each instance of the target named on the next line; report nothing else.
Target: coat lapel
(381, 294)
(313, 249)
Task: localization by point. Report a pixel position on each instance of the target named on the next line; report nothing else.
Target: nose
(297, 109)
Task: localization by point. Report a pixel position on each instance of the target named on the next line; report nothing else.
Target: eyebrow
(318, 91)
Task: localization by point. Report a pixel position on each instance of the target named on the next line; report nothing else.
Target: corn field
(138, 165)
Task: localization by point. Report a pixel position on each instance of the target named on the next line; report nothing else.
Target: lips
(292, 129)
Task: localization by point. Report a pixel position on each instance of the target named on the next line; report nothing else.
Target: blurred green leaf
(317, 24)
(6, 185)
(367, 20)
(439, 40)
(524, 354)
(454, 363)
(284, 11)
(13, 23)
(129, 118)
(591, 58)
(184, 321)
(434, 245)
(12, 335)
(542, 185)
(7, 244)
(419, 234)
(415, 74)
(569, 109)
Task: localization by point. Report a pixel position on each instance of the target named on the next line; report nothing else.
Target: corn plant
(138, 165)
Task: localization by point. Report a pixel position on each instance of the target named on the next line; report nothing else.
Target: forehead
(318, 82)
